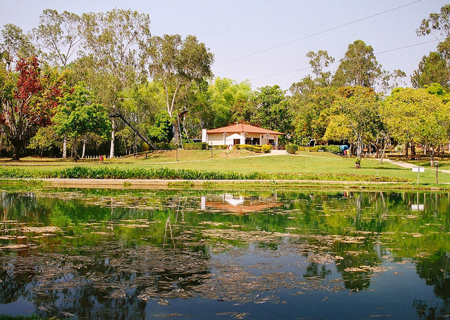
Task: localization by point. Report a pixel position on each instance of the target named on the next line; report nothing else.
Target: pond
(140, 254)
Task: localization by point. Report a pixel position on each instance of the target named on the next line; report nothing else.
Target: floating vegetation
(101, 255)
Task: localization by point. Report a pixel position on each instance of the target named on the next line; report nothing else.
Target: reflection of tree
(435, 269)
(355, 256)
(316, 270)
(113, 282)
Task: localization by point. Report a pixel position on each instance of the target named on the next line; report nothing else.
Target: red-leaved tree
(28, 100)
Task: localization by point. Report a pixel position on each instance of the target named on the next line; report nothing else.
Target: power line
(376, 53)
(318, 33)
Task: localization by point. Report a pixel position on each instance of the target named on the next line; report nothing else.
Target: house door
(236, 141)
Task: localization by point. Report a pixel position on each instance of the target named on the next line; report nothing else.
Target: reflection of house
(239, 204)
(240, 134)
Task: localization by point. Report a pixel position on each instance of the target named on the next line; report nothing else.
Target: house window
(253, 141)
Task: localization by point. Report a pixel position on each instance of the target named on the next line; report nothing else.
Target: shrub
(266, 148)
(220, 147)
(195, 146)
(291, 148)
(165, 146)
(331, 148)
(334, 149)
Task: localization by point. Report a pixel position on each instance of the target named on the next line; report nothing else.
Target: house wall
(228, 139)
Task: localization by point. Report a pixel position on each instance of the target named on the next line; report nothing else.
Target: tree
(415, 116)
(436, 24)
(318, 61)
(432, 69)
(45, 140)
(162, 130)
(435, 68)
(311, 111)
(177, 64)
(77, 116)
(57, 36)
(360, 106)
(227, 101)
(112, 44)
(359, 67)
(272, 109)
(28, 99)
(15, 44)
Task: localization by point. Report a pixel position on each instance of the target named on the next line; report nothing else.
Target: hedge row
(184, 174)
(330, 148)
(195, 146)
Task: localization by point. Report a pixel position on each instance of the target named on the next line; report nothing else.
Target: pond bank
(225, 184)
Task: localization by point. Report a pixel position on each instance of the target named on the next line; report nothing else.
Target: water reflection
(239, 204)
(94, 254)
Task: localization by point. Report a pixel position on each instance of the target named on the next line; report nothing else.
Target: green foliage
(229, 102)
(162, 130)
(185, 174)
(45, 139)
(432, 69)
(195, 146)
(76, 116)
(272, 109)
(359, 67)
(165, 146)
(291, 148)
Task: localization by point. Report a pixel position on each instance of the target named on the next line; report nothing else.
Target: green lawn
(246, 162)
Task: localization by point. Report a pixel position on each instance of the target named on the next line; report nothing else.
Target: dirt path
(410, 166)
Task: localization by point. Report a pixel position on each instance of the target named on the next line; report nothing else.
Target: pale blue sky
(233, 29)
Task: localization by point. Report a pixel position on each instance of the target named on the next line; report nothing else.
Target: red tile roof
(242, 127)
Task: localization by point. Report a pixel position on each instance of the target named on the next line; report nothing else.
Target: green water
(99, 254)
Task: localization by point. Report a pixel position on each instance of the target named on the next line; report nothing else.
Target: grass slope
(245, 162)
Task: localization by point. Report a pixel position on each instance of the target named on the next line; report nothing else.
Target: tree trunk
(383, 152)
(16, 150)
(406, 150)
(176, 133)
(359, 146)
(65, 148)
(113, 136)
(432, 157)
(84, 148)
(75, 153)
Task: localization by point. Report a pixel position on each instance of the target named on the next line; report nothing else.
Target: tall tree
(359, 67)
(14, 43)
(438, 24)
(178, 64)
(360, 107)
(227, 101)
(78, 116)
(272, 109)
(432, 69)
(319, 61)
(416, 116)
(112, 44)
(435, 68)
(27, 100)
(57, 36)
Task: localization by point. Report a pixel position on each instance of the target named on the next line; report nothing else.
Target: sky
(264, 41)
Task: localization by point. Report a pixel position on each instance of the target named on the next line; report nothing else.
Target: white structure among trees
(240, 134)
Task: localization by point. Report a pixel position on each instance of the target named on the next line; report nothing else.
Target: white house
(240, 134)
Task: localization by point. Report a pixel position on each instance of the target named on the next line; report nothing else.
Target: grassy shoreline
(225, 185)
(226, 170)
